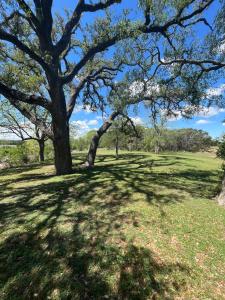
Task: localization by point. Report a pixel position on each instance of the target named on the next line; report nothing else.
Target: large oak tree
(69, 52)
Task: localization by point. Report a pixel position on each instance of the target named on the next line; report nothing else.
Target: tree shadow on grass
(72, 245)
(66, 240)
(73, 267)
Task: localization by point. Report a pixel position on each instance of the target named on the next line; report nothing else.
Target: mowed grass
(144, 226)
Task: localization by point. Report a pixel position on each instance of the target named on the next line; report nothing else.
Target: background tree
(185, 139)
(221, 148)
(12, 122)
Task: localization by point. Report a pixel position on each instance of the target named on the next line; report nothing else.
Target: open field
(141, 227)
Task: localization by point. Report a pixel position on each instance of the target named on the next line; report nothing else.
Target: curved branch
(5, 36)
(80, 8)
(22, 97)
(90, 54)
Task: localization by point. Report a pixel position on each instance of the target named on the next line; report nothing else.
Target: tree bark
(62, 151)
(96, 139)
(61, 140)
(93, 149)
(156, 149)
(41, 150)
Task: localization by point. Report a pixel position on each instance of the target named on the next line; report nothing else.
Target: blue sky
(211, 120)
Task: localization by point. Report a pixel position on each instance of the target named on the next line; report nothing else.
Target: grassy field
(141, 227)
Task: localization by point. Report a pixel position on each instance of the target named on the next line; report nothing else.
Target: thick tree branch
(90, 54)
(179, 19)
(5, 36)
(80, 8)
(22, 97)
(30, 17)
(206, 65)
(44, 16)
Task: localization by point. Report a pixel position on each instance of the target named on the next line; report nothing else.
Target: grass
(141, 227)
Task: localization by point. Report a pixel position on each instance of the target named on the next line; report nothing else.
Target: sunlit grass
(144, 226)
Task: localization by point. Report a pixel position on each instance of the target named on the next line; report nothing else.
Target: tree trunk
(62, 151)
(156, 149)
(61, 136)
(96, 138)
(93, 150)
(117, 147)
(41, 150)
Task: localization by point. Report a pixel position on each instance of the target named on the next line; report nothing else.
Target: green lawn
(141, 227)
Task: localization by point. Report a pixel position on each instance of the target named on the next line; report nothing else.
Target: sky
(210, 121)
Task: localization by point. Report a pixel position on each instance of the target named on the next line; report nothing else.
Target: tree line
(185, 139)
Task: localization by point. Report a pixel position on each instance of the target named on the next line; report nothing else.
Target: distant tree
(12, 122)
(221, 148)
(187, 139)
(193, 140)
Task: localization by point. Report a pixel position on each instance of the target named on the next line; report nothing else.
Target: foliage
(82, 143)
(186, 139)
(14, 155)
(49, 152)
(221, 148)
(24, 153)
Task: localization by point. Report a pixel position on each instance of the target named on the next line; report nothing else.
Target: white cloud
(208, 112)
(203, 122)
(137, 121)
(83, 126)
(203, 112)
(216, 91)
(221, 48)
(174, 116)
(79, 108)
(93, 122)
(138, 87)
(87, 109)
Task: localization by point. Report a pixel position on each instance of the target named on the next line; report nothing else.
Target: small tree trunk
(96, 138)
(41, 150)
(156, 149)
(93, 150)
(117, 147)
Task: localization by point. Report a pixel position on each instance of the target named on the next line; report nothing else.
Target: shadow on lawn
(73, 243)
(46, 262)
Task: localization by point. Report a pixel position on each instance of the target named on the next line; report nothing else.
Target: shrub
(221, 149)
(13, 155)
(49, 152)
